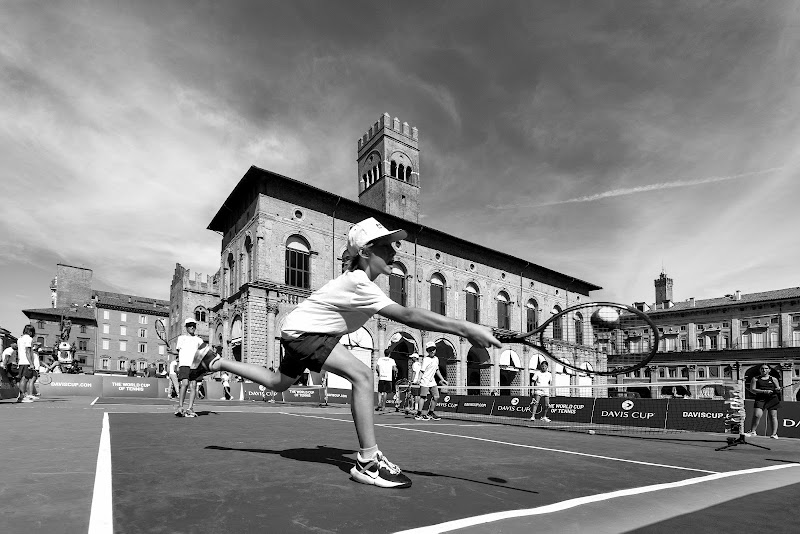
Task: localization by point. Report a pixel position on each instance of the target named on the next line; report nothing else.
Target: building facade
(107, 330)
(283, 239)
(725, 337)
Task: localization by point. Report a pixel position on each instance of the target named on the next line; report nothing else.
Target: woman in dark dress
(766, 389)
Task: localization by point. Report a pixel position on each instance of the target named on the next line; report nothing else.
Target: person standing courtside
(25, 358)
(9, 362)
(416, 372)
(187, 346)
(765, 388)
(541, 378)
(428, 383)
(387, 371)
(173, 378)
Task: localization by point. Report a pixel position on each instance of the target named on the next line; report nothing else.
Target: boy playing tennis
(311, 332)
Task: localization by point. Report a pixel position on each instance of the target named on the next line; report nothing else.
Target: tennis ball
(605, 317)
(591, 432)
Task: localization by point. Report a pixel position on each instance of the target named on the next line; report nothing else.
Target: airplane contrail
(642, 189)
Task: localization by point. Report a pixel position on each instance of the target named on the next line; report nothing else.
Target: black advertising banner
(337, 396)
(63, 385)
(512, 407)
(303, 394)
(448, 403)
(571, 409)
(788, 420)
(476, 404)
(630, 412)
(123, 386)
(696, 414)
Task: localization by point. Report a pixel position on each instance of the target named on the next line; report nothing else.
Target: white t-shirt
(9, 356)
(173, 367)
(541, 378)
(187, 347)
(23, 343)
(226, 380)
(430, 364)
(341, 306)
(416, 367)
(385, 366)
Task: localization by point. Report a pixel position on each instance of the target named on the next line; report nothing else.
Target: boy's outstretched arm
(478, 335)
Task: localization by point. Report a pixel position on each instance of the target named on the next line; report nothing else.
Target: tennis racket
(161, 332)
(620, 338)
(790, 385)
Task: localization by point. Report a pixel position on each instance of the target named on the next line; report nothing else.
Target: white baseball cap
(430, 345)
(189, 321)
(371, 231)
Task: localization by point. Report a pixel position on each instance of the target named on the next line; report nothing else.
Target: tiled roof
(87, 314)
(750, 298)
(107, 299)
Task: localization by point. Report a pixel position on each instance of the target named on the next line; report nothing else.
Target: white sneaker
(751, 433)
(379, 472)
(26, 399)
(775, 436)
(545, 419)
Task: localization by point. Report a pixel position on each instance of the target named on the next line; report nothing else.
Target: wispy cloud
(641, 189)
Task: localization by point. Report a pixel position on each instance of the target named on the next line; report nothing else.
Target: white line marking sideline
(572, 503)
(562, 451)
(101, 520)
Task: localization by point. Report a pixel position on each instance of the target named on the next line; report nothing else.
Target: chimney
(738, 295)
(691, 302)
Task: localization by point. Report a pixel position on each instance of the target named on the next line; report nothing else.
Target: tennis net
(609, 408)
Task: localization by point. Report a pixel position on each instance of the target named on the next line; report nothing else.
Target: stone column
(272, 312)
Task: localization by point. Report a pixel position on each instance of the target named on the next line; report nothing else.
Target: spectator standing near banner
(9, 363)
(387, 371)
(416, 373)
(428, 383)
(226, 386)
(187, 346)
(765, 388)
(25, 358)
(172, 374)
(541, 378)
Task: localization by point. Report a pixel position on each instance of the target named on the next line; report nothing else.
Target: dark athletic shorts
(309, 351)
(772, 403)
(25, 371)
(187, 373)
(385, 386)
(415, 390)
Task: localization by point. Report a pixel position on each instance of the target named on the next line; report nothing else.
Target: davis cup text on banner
(630, 412)
(447, 403)
(512, 407)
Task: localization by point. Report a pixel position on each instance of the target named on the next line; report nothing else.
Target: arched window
(578, 328)
(503, 310)
(231, 274)
(473, 303)
(531, 315)
(394, 169)
(248, 247)
(408, 174)
(200, 314)
(558, 324)
(397, 284)
(401, 171)
(298, 263)
(438, 295)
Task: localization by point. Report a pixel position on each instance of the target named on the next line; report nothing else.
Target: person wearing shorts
(25, 356)
(428, 389)
(387, 371)
(541, 377)
(416, 368)
(311, 333)
(188, 374)
(9, 362)
(173, 378)
(765, 388)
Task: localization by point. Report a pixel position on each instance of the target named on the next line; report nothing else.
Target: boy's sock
(367, 454)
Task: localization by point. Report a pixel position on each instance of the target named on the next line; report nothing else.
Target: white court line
(95, 400)
(625, 460)
(101, 520)
(572, 503)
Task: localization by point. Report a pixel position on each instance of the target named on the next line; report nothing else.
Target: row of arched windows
(400, 171)
(397, 170)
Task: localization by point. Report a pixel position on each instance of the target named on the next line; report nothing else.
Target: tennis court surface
(129, 465)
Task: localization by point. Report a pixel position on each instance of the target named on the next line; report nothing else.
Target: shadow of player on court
(344, 460)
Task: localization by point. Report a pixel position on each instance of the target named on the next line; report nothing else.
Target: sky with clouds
(604, 139)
